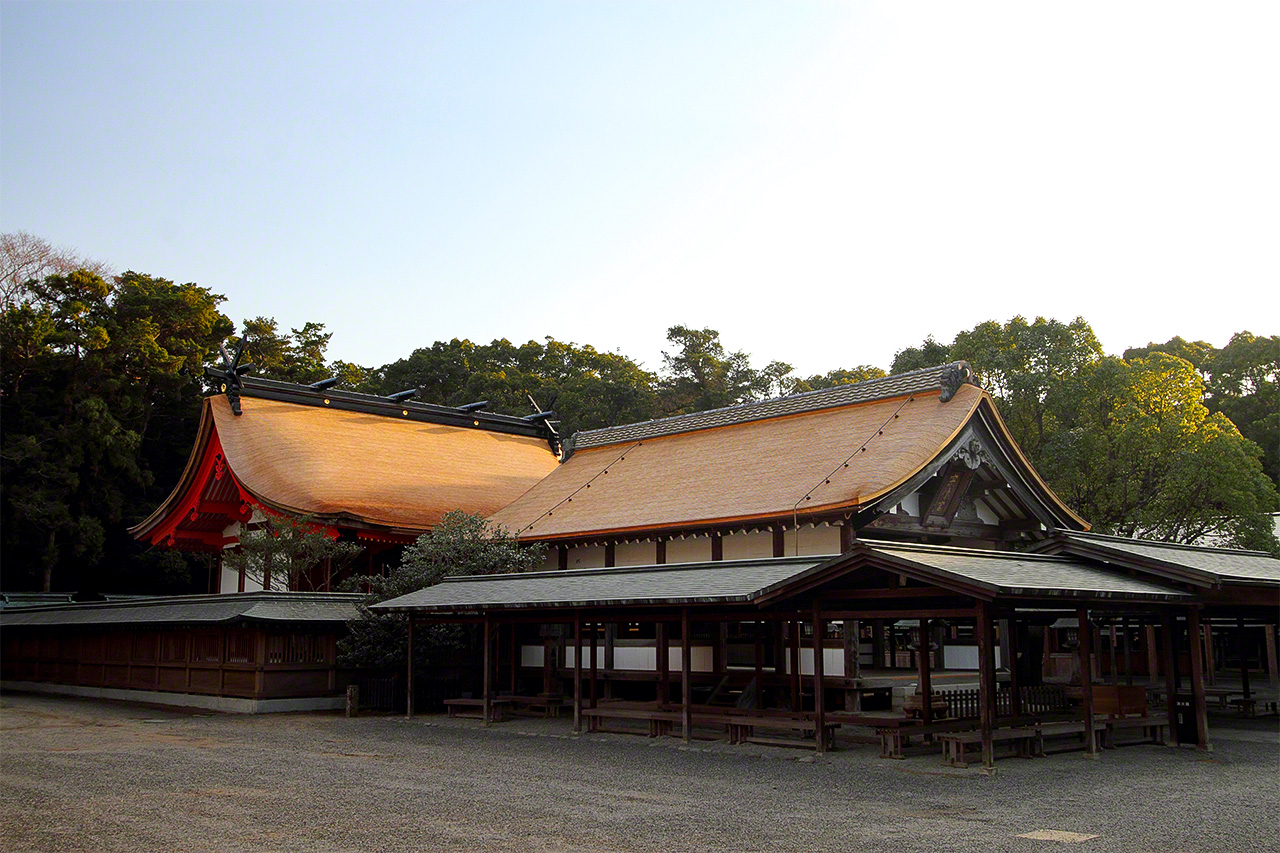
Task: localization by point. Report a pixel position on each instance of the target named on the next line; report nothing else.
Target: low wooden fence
(1041, 699)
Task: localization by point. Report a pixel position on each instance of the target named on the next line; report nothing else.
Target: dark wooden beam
(686, 681)
(486, 687)
(408, 712)
(819, 690)
(1084, 633)
(926, 686)
(986, 682)
(577, 674)
(1197, 679)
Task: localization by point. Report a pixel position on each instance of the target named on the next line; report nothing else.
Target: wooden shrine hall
(798, 624)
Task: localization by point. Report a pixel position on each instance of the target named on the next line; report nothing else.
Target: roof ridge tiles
(607, 570)
(1212, 549)
(868, 390)
(957, 549)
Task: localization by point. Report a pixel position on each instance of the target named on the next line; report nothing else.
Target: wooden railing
(1041, 699)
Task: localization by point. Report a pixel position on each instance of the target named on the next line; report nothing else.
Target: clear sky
(825, 183)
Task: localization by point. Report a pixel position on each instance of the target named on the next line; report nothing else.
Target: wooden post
(877, 644)
(1086, 682)
(595, 630)
(1006, 646)
(926, 686)
(1115, 670)
(664, 667)
(1153, 655)
(1015, 700)
(794, 628)
(1168, 650)
(353, 700)
(1269, 636)
(486, 686)
(819, 687)
(1128, 659)
(852, 698)
(1244, 657)
(513, 646)
(986, 680)
(759, 664)
(1197, 681)
(719, 648)
(577, 673)
(1211, 667)
(686, 682)
(408, 708)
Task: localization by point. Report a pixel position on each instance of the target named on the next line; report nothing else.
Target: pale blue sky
(822, 182)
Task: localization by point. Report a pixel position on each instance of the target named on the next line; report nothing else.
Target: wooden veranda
(785, 611)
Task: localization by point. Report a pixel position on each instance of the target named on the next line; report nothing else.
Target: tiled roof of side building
(925, 379)
(1227, 563)
(277, 607)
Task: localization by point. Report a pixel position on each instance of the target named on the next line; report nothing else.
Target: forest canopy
(101, 381)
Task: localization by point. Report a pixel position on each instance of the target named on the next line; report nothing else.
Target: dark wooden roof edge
(370, 404)
(1097, 546)
(946, 378)
(167, 608)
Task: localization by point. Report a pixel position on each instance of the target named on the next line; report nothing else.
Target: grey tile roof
(1228, 564)
(1012, 573)
(925, 379)
(189, 609)
(741, 581)
(726, 581)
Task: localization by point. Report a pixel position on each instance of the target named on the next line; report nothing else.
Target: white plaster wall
(533, 656)
(964, 657)
(814, 542)
(695, 549)
(230, 580)
(550, 559)
(587, 557)
(637, 658)
(754, 545)
(635, 554)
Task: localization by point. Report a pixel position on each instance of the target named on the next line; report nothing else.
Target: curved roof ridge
(868, 390)
(1161, 543)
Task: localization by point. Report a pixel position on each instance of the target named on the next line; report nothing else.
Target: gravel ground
(81, 775)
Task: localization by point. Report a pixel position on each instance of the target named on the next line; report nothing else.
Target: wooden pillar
(1015, 699)
(819, 685)
(926, 686)
(717, 546)
(893, 645)
(1115, 639)
(1197, 681)
(852, 698)
(610, 640)
(513, 647)
(660, 551)
(408, 708)
(1128, 658)
(486, 687)
(686, 682)
(1211, 667)
(794, 628)
(846, 537)
(595, 631)
(759, 661)
(1086, 682)
(664, 667)
(877, 644)
(562, 557)
(1006, 653)
(1269, 637)
(779, 541)
(1153, 654)
(986, 681)
(577, 673)
(610, 555)
(1243, 646)
(1169, 650)
(719, 648)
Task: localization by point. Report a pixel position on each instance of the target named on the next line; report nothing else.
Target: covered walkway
(729, 647)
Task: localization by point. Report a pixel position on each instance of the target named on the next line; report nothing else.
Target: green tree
(460, 544)
(295, 357)
(1140, 454)
(702, 375)
(841, 376)
(1244, 384)
(290, 553)
(928, 354)
(100, 398)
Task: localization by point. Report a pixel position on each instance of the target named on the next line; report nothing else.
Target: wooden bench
(542, 705)
(1153, 727)
(742, 729)
(1049, 736)
(474, 708)
(955, 745)
(660, 723)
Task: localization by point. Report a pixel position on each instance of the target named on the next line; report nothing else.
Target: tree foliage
(290, 553)
(460, 544)
(100, 399)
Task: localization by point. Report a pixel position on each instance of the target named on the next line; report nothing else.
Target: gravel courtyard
(81, 775)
